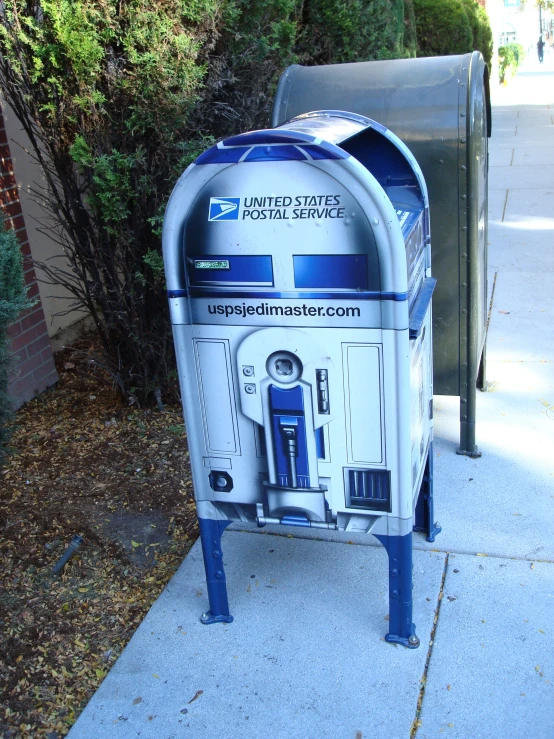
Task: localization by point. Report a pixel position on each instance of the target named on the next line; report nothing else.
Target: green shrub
(334, 31)
(105, 91)
(484, 42)
(480, 29)
(13, 300)
(519, 53)
(118, 97)
(410, 37)
(452, 27)
(509, 58)
(259, 38)
(256, 41)
(442, 28)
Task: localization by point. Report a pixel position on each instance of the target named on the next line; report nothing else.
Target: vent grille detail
(369, 489)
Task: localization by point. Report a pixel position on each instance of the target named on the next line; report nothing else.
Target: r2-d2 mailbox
(298, 270)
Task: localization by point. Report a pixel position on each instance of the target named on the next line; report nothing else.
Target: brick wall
(34, 365)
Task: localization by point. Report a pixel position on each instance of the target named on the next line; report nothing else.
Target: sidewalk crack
(505, 204)
(423, 682)
(491, 302)
(471, 553)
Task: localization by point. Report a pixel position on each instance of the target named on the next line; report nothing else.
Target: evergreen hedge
(480, 30)
(334, 31)
(13, 300)
(118, 97)
(446, 27)
(259, 38)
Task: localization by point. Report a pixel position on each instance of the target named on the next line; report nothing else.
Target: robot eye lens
(283, 367)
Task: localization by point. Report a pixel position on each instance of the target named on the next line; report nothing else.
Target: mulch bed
(83, 463)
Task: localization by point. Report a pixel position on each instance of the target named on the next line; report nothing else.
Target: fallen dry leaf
(73, 470)
(196, 696)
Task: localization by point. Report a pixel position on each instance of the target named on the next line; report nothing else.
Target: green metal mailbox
(440, 108)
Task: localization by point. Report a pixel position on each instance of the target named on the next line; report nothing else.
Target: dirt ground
(83, 463)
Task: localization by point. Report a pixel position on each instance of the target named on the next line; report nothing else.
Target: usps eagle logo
(224, 209)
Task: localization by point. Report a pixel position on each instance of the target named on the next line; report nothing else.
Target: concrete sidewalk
(305, 656)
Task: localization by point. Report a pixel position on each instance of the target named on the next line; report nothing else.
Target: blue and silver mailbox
(299, 279)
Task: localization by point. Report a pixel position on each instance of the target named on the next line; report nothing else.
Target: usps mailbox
(299, 278)
(440, 107)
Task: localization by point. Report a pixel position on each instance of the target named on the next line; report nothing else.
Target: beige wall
(27, 175)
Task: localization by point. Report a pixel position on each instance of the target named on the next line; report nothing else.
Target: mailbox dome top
(359, 177)
(331, 134)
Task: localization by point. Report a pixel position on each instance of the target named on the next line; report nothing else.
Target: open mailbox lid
(380, 152)
(357, 223)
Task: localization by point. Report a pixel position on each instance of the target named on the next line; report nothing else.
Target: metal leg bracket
(424, 512)
(401, 628)
(210, 535)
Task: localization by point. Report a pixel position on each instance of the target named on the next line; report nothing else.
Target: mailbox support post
(475, 103)
(401, 628)
(425, 509)
(210, 535)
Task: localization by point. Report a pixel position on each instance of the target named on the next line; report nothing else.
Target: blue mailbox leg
(210, 535)
(401, 628)
(424, 512)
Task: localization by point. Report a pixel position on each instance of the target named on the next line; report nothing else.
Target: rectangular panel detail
(362, 385)
(344, 271)
(217, 463)
(232, 270)
(217, 399)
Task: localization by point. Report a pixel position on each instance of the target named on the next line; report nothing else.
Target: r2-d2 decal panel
(325, 433)
(287, 393)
